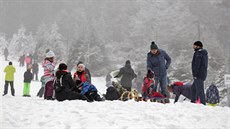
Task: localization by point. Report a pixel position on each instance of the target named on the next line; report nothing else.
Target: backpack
(212, 95)
(112, 94)
(58, 84)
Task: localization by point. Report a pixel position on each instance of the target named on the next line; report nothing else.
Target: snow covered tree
(22, 43)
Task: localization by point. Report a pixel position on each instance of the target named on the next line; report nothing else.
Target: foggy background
(105, 33)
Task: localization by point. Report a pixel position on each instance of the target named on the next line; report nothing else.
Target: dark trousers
(41, 92)
(198, 91)
(11, 85)
(6, 57)
(35, 75)
(49, 89)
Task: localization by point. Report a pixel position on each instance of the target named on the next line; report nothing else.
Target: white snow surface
(36, 113)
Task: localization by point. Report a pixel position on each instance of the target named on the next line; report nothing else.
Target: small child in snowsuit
(147, 91)
(212, 95)
(42, 89)
(89, 90)
(28, 76)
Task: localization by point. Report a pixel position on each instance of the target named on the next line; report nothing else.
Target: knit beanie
(153, 46)
(50, 54)
(198, 43)
(62, 66)
(127, 62)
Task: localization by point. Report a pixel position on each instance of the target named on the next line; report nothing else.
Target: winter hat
(62, 66)
(82, 65)
(10, 63)
(198, 43)
(153, 46)
(80, 62)
(128, 62)
(50, 54)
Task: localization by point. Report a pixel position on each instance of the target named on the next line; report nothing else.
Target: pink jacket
(28, 60)
(48, 70)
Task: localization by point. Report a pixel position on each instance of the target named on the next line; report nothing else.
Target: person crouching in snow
(81, 74)
(212, 95)
(179, 88)
(89, 90)
(28, 76)
(147, 90)
(65, 86)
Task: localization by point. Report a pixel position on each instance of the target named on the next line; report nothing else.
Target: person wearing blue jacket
(159, 61)
(89, 90)
(199, 72)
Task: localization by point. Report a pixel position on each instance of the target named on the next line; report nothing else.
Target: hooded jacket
(200, 64)
(127, 74)
(158, 63)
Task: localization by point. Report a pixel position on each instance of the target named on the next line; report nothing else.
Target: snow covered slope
(35, 113)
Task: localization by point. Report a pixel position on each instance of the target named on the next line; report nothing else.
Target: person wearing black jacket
(199, 72)
(28, 76)
(127, 74)
(64, 85)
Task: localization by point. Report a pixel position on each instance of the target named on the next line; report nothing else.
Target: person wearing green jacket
(9, 78)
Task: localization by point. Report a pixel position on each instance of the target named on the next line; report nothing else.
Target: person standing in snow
(28, 60)
(41, 91)
(35, 70)
(159, 61)
(6, 53)
(9, 78)
(28, 76)
(127, 74)
(49, 65)
(22, 60)
(199, 72)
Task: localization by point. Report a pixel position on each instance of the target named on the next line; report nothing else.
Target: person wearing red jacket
(147, 91)
(81, 74)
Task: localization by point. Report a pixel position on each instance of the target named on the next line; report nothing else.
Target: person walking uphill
(49, 65)
(9, 78)
(199, 72)
(127, 74)
(159, 61)
(6, 53)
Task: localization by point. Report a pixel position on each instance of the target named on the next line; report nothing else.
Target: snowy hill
(36, 113)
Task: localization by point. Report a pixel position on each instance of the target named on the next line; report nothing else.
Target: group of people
(158, 61)
(61, 85)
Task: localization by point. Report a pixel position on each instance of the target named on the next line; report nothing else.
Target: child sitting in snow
(179, 88)
(147, 91)
(89, 90)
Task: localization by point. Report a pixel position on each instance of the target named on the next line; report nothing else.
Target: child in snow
(89, 90)
(147, 91)
(81, 74)
(179, 88)
(49, 64)
(41, 91)
(212, 95)
(28, 76)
